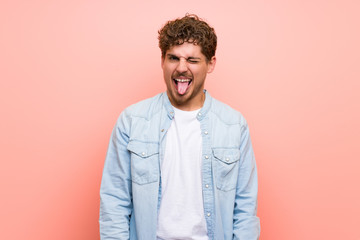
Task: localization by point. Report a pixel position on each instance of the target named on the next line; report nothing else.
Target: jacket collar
(202, 113)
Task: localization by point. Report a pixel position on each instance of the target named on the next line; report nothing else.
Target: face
(185, 68)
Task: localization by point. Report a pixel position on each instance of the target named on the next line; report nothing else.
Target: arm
(115, 192)
(246, 223)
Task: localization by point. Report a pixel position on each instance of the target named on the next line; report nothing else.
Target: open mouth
(182, 84)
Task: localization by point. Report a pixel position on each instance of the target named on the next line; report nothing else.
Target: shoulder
(145, 108)
(226, 114)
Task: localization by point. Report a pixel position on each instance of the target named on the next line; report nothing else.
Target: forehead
(185, 50)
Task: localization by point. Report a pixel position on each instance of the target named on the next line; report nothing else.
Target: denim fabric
(131, 184)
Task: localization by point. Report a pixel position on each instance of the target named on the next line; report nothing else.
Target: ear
(162, 62)
(211, 64)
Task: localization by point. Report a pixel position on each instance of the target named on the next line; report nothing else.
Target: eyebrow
(194, 58)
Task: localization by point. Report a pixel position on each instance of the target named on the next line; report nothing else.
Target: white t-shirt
(181, 214)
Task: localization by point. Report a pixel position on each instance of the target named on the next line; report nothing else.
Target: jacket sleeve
(246, 225)
(115, 191)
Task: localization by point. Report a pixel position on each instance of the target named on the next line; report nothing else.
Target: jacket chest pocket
(226, 164)
(144, 162)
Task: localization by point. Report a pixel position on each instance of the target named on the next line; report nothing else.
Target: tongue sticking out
(182, 87)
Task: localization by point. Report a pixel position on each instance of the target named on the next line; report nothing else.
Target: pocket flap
(227, 155)
(143, 149)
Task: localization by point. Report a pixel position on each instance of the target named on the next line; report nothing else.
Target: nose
(182, 66)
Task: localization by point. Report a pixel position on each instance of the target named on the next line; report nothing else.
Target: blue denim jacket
(131, 183)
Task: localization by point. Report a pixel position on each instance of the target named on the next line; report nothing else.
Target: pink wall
(68, 68)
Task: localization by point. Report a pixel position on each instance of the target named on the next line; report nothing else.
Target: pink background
(68, 68)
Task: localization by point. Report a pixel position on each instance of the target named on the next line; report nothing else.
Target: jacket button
(143, 153)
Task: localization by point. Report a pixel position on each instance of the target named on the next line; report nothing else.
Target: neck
(192, 105)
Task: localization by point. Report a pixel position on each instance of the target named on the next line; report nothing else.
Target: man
(180, 165)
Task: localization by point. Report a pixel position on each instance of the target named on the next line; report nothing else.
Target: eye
(173, 58)
(193, 61)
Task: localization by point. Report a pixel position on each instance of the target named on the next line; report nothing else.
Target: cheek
(167, 71)
(167, 75)
(197, 74)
